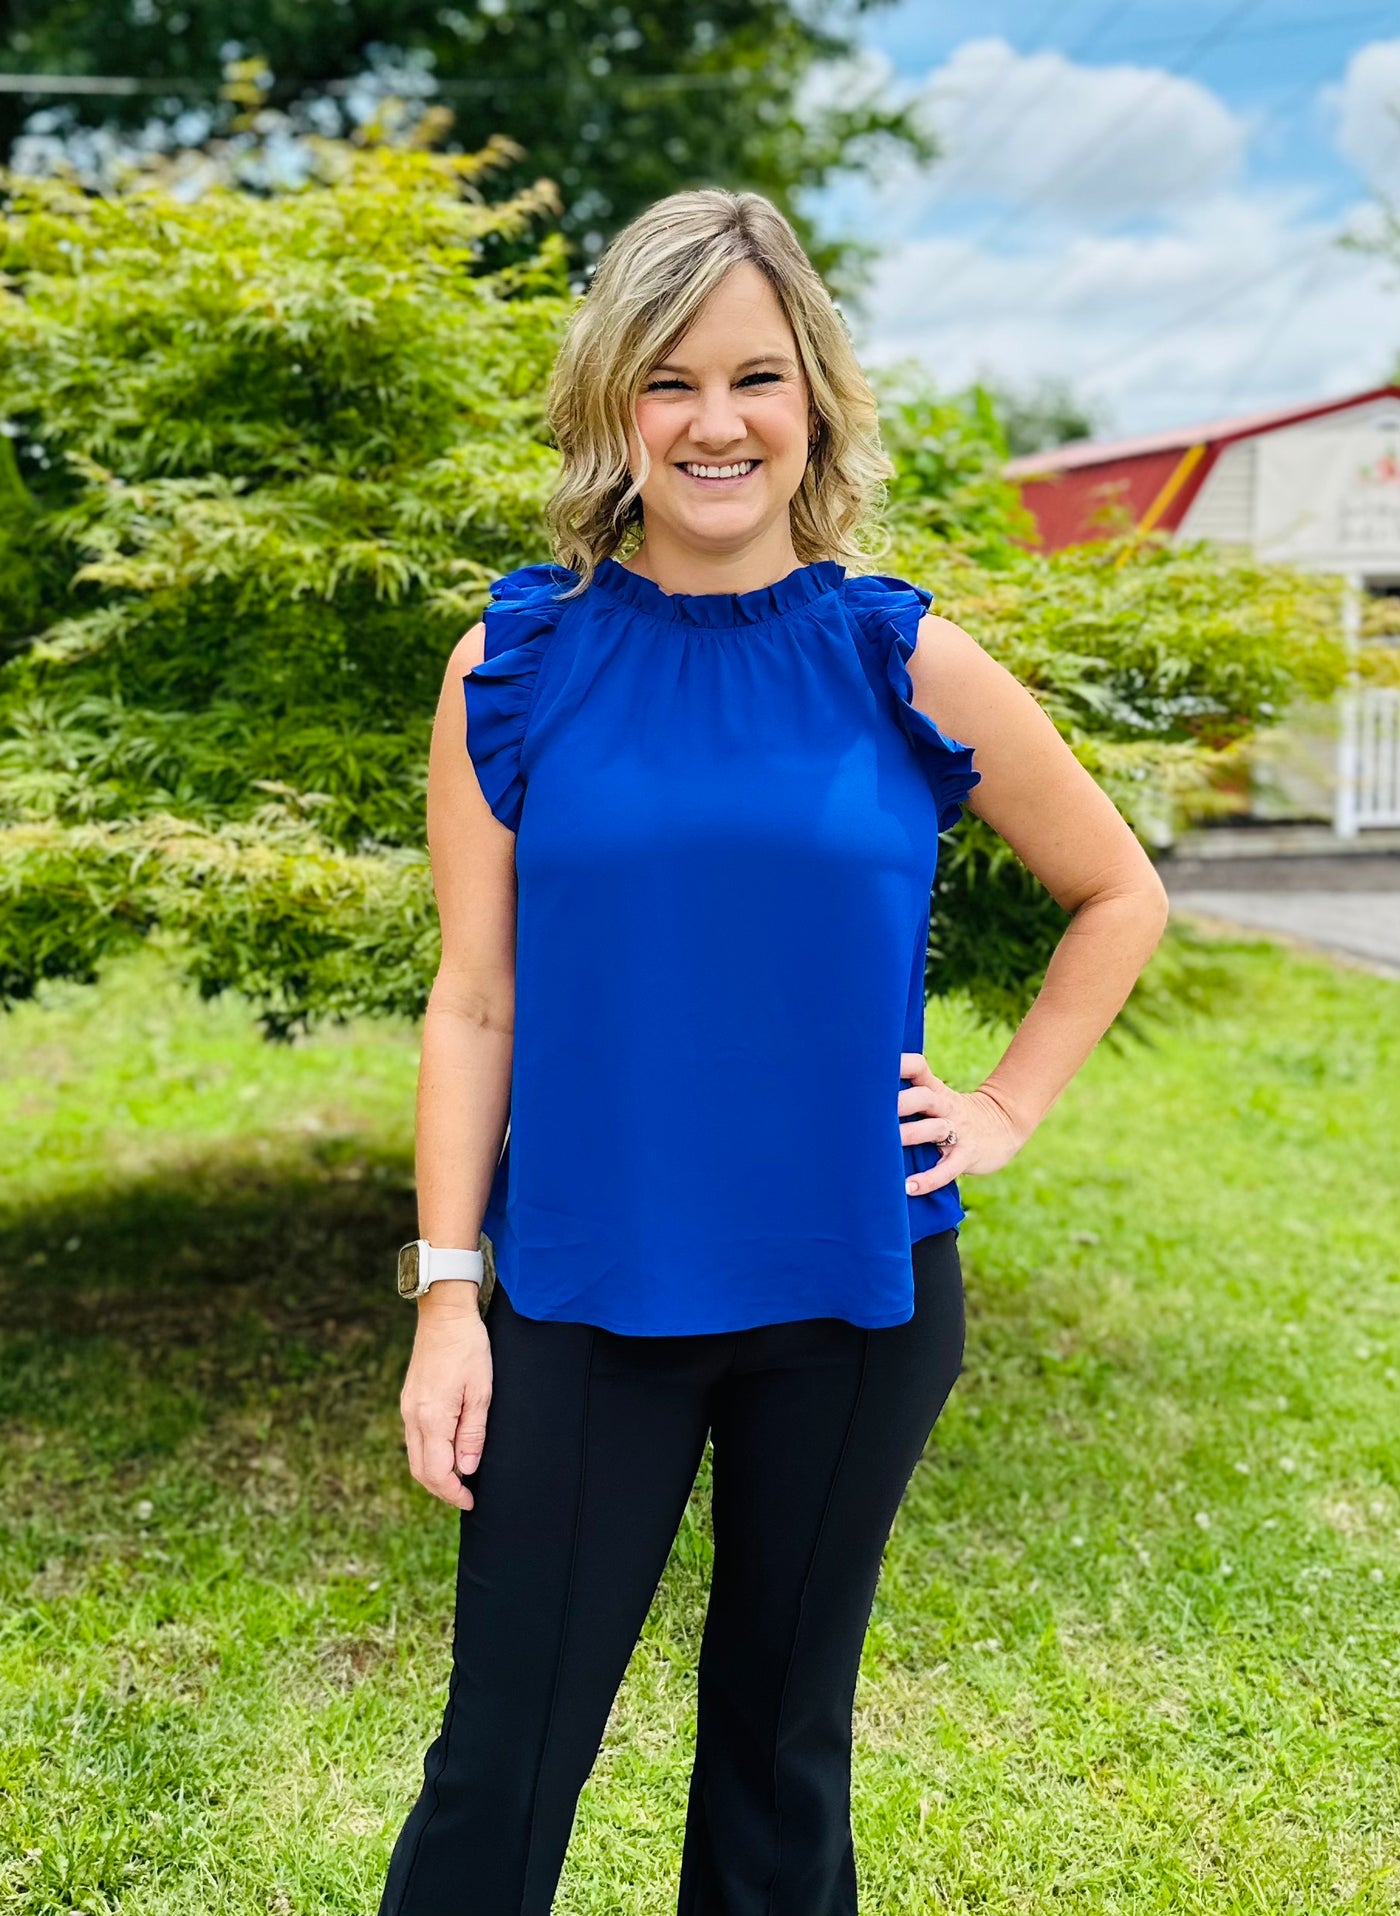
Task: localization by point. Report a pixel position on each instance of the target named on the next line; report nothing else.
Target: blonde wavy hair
(647, 289)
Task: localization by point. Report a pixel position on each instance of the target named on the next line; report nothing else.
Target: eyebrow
(759, 359)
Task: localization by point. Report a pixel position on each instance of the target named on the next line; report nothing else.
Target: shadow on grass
(149, 1306)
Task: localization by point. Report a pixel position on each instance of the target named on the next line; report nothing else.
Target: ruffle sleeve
(887, 611)
(521, 617)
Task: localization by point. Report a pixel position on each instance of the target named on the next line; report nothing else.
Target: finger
(471, 1438)
(935, 1101)
(935, 1130)
(439, 1472)
(914, 1065)
(952, 1164)
(413, 1444)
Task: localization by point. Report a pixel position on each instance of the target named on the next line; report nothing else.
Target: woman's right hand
(446, 1394)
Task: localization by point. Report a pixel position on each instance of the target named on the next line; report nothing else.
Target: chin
(731, 532)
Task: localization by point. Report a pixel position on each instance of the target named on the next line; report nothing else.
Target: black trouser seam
(801, 1605)
(564, 1627)
(447, 1729)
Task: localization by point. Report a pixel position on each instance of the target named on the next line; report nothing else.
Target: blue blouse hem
(767, 1316)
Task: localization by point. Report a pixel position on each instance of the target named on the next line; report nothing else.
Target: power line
(1019, 207)
(1280, 30)
(77, 83)
(1280, 110)
(1274, 328)
(119, 84)
(1318, 251)
(1314, 261)
(962, 159)
(1011, 215)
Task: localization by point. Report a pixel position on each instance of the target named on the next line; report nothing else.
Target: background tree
(1043, 413)
(617, 101)
(264, 457)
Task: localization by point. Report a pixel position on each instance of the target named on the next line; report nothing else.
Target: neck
(676, 566)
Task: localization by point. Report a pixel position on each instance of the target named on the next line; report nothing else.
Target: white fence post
(1344, 820)
(1377, 786)
(1344, 808)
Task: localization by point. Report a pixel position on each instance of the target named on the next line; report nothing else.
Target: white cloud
(1367, 105)
(1078, 142)
(1245, 304)
(834, 83)
(1105, 225)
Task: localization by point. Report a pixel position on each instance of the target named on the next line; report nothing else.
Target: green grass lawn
(1137, 1641)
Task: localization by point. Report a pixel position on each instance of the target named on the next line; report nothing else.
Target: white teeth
(719, 472)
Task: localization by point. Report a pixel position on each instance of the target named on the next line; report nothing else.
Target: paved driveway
(1349, 903)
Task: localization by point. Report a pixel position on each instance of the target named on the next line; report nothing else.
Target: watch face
(408, 1270)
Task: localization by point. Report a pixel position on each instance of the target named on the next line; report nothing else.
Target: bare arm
(468, 1028)
(1035, 793)
(463, 1091)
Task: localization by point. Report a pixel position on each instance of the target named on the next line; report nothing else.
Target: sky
(1145, 200)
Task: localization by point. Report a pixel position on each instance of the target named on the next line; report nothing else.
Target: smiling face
(725, 418)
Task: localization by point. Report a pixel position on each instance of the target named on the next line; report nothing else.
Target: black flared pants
(593, 1443)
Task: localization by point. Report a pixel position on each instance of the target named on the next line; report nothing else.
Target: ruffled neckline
(764, 602)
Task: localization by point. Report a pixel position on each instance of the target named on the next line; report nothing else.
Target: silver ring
(949, 1141)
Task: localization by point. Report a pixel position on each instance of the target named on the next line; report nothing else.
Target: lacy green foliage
(948, 452)
(1155, 661)
(1045, 412)
(1144, 640)
(68, 901)
(1157, 664)
(265, 456)
(307, 931)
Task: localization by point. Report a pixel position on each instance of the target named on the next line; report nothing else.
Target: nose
(716, 420)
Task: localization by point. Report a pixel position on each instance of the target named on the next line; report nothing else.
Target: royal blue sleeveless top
(727, 810)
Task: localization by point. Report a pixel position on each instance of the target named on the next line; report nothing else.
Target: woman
(683, 870)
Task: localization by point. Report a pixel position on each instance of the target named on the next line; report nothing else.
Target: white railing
(1368, 760)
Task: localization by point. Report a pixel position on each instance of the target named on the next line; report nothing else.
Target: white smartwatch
(422, 1264)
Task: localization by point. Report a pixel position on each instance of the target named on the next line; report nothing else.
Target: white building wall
(1323, 495)
(1223, 509)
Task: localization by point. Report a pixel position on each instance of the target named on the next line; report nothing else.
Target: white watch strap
(436, 1262)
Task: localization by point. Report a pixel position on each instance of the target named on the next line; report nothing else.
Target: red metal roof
(1096, 452)
(1074, 491)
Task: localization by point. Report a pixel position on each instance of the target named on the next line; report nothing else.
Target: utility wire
(1206, 308)
(1295, 299)
(1315, 262)
(116, 84)
(1279, 30)
(125, 84)
(963, 158)
(1013, 214)
(1055, 271)
(78, 83)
